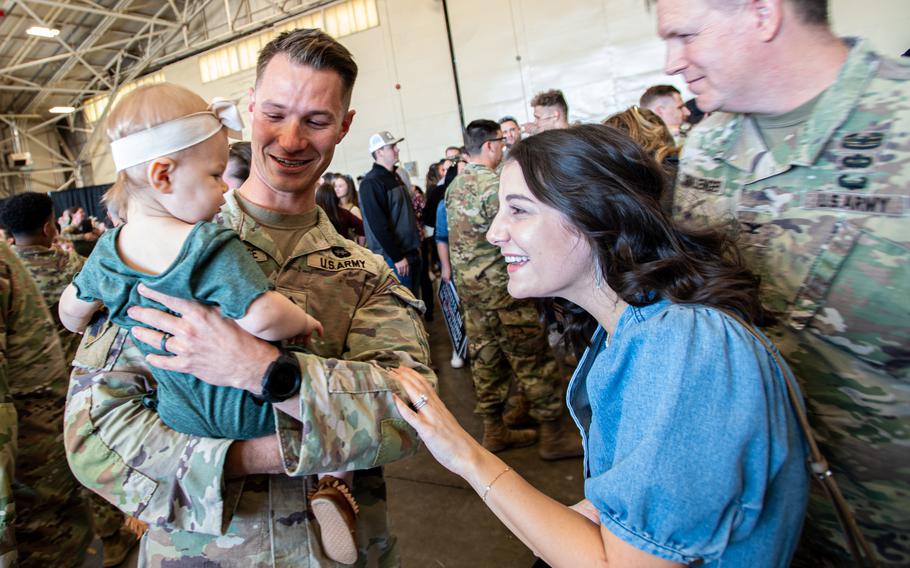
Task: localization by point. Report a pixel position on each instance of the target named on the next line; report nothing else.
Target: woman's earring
(598, 274)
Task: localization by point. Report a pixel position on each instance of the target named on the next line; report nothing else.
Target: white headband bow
(175, 135)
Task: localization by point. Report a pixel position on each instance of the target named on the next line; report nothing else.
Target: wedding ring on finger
(420, 402)
(163, 345)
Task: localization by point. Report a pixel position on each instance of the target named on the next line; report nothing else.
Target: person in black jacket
(388, 214)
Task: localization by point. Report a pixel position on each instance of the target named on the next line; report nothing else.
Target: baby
(170, 149)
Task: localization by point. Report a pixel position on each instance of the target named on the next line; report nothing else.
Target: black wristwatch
(281, 380)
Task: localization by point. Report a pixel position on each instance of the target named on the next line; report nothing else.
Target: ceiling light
(62, 110)
(42, 31)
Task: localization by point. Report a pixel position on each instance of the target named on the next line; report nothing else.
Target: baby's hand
(313, 325)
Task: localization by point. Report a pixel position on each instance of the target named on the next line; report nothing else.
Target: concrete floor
(439, 520)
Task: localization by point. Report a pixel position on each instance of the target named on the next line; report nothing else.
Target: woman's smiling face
(545, 257)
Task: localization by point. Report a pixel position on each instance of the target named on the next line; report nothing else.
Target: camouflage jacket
(53, 269)
(175, 482)
(472, 201)
(824, 219)
(44, 520)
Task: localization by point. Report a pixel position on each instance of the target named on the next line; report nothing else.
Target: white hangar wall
(601, 53)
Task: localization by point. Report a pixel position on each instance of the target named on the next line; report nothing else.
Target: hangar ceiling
(99, 46)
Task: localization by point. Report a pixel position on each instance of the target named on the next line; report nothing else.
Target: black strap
(818, 466)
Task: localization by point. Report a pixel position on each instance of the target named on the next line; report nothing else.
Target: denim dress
(692, 450)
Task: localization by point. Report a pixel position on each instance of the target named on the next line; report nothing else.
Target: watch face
(282, 381)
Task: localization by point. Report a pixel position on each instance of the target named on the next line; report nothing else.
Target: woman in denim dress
(693, 454)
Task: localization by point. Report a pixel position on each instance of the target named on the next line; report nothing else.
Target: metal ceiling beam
(62, 56)
(137, 69)
(109, 13)
(68, 64)
(39, 142)
(31, 172)
(239, 32)
(50, 90)
(63, 44)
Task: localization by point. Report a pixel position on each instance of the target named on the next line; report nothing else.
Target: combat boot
(518, 415)
(557, 443)
(496, 437)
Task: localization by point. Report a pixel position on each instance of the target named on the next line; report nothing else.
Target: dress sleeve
(225, 274)
(690, 426)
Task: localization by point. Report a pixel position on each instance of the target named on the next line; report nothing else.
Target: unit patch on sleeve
(257, 254)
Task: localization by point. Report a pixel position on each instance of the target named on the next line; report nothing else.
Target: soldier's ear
(767, 15)
(49, 230)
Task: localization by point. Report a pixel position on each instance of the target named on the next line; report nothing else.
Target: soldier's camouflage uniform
(824, 218)
(44, 520)
(505, 335)
(53, 269)
(175, 482)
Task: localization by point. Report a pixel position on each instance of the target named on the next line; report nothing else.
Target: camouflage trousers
(505, 341)
(273, 528)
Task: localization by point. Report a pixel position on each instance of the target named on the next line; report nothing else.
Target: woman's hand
(202, 343)
(452, 447)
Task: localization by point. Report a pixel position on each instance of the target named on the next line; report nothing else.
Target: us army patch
(711, 185)
(341, 252)
(855, 202)
(325, 263)
(257, 254)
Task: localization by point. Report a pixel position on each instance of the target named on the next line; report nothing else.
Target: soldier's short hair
(552, 98)
(814, 12)
(655, 93)
(478, 132)
(506, 119)
(25, 214)
(312, 48)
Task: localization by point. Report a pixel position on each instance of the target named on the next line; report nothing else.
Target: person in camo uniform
(44, 519)
(812, 168)
(505, 335)
(244, 503)
(30, 218)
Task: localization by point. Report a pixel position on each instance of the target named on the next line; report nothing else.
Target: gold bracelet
(486, 490)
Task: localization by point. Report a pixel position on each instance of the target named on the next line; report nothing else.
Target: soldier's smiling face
(715, 49)
(299, 115)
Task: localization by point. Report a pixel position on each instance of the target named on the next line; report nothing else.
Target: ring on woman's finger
(420, 402)
(163, 345)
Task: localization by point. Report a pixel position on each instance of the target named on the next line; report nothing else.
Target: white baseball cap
(381, 139)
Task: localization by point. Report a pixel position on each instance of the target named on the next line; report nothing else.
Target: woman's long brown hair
(609, 189)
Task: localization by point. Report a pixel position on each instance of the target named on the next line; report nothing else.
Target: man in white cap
(388, 212)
